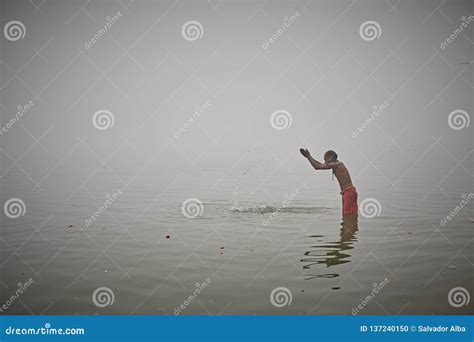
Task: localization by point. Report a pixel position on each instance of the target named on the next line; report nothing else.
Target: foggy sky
(151, 79)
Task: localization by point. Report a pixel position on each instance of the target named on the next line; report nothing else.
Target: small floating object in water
(302, 290)
(221, 253)
(70, 226)
(222, 248)
(452, 267)
(410, 233)
(105, 271)
(335, 288)
(167, 236)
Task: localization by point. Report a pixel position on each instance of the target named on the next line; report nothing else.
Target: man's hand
(305, 153)
(317, 165)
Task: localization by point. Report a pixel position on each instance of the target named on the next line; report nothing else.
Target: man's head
(330, 156)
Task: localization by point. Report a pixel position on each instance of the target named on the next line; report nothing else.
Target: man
(348, 191)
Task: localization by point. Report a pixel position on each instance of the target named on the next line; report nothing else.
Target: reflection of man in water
(348, 191)
(334, 253)
(349, 227)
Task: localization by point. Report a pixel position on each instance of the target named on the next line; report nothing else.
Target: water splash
(247, 172)
(265, 209)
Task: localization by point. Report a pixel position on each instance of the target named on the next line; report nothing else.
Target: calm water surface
(152, 257)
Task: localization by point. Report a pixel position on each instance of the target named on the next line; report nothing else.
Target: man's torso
(342, 175)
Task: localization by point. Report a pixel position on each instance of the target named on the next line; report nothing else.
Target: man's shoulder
(339, 165)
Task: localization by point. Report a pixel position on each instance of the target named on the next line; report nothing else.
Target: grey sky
(151, 79)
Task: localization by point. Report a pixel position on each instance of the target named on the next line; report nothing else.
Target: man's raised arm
(317, 165)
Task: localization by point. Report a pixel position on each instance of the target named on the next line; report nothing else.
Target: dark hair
(331, 154)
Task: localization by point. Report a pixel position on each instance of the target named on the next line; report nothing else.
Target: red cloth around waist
(349, 201)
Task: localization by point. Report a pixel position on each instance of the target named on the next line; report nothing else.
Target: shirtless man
(348, 191)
